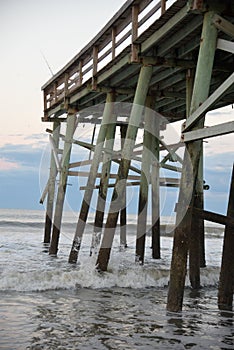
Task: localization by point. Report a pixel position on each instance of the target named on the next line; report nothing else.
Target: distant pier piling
(173, 64)
(51, 184)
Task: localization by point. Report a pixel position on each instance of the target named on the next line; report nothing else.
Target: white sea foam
(86, 276)
(25, 266)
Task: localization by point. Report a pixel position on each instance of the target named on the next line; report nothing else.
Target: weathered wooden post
(155, 188)
(71, 124)
(189, 176)
(196, 242)
(104, 182)
(117, 204)
(123, 210)
(144, 184)
(51, 185)
(106, 121)
(199, 203)
(226, 279)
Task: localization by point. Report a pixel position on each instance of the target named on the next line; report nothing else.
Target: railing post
(55, 91)
(163, 6)
(113, 39)
(95, 66)
(66, 85)
(134, 47)
(80, 72)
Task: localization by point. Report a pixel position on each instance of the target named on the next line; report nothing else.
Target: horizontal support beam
(214, 217)
(211, 100)
(106, 89)
(99, 175)
(162, 183)
(224, 25)
(212, 131)
(81, 163)
(166, 62)
(225, 45)
(171, 167)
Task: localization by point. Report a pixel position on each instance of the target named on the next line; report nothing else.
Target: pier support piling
(103, 188)
(51, 186)
(144, 185)
(123, 210)
(155, 188)
(226, 279)
(106, 121)
(189, 174)
(116, 203)
(71, 124)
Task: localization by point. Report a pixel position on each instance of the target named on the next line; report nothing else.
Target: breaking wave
(86, 276)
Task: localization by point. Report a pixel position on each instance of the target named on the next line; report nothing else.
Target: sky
(31, 32)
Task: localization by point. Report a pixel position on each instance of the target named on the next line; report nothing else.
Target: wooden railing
(121, 31)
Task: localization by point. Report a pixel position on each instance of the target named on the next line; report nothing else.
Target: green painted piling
(117, 203)
(189, 175)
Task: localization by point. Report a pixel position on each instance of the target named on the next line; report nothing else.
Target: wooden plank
(209, 102)
(212, 131)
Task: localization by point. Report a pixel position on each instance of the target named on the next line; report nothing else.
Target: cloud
(6, 164)
(33, 140)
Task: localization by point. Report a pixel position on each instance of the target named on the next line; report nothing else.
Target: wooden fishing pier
(164, 61)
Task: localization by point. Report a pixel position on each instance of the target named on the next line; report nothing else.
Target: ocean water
(47, 303)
